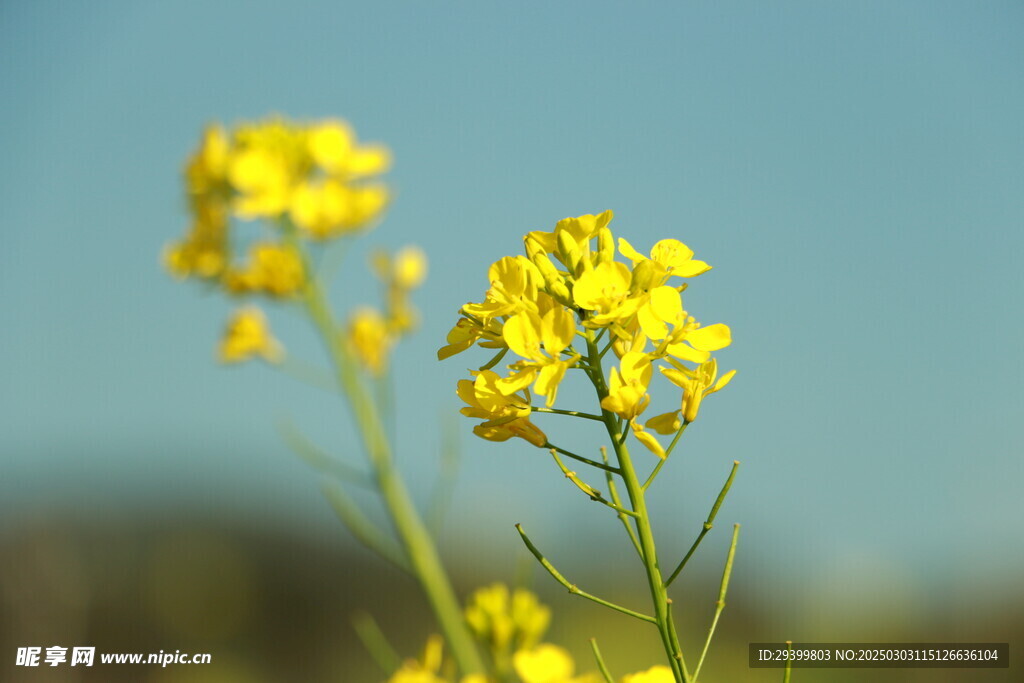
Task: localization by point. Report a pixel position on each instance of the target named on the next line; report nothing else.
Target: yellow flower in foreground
(515, 282)
(697, 384)
(541, 341)
(604, 290)
(506, 415)
(627, 390)
(468, 332)
(656, 674)
(670, 257)
(247, 336)
(543, 664)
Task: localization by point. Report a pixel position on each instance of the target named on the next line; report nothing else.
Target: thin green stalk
(418, 544)
(580, 458)
(635, 492)
(363, 529)
(789, 662)
(708, 524)
(613, 490)
(720, 604)
(320, 460)
(586, 488)
(668, 452)
(602, 667)
(376, 643)
(573, 588)
(574, 413)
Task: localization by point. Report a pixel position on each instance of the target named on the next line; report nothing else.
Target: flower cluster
(308, 183)
(510, 625)
(568, 289)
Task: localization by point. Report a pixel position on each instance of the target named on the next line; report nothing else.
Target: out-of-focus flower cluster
(510, 625)
(570, 289)
(307, 183)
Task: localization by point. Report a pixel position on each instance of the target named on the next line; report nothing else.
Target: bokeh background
(852, 170)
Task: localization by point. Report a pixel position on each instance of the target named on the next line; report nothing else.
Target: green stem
(720, 604)
(668, 452)
(613, 490)
(602, 667)
(412, 532)
(574, 413)
(592, 463)
(708, 524)
(635, 492)
(573, 588)
(376, 643)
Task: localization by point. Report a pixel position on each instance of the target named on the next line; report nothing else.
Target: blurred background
(852, 171)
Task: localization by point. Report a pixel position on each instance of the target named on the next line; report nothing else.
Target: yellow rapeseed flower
(324, 209)
(204, 251)
(247, 336)
(332, 144)
(544, 664)
(540, 341)
(206, 169)
(605, 291)
(369, 339)
(697, 384)
(468, 331)
(274, 269)
(627, 388)
(669, 257)
(656, 674)
(504, 618)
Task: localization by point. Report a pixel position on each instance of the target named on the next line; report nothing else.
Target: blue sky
(853, 172)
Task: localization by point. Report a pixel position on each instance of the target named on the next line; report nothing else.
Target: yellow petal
(722, 381)
(684, 352)
(666, 423)
(691, 269)
(710, 337)
(650, 443)
(667, 303)
(543, 664)
(671, 253)
(557, 330)
(627, 250)
(522, 335)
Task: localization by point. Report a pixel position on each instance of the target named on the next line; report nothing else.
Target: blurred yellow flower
(333, 147)
(656, 674)
(545, 663)
(324, 209)
(502, 618)
(274, 269)
(409, 267)
(206, 169)
(247, 336)
(368, 337)
(204, 251)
